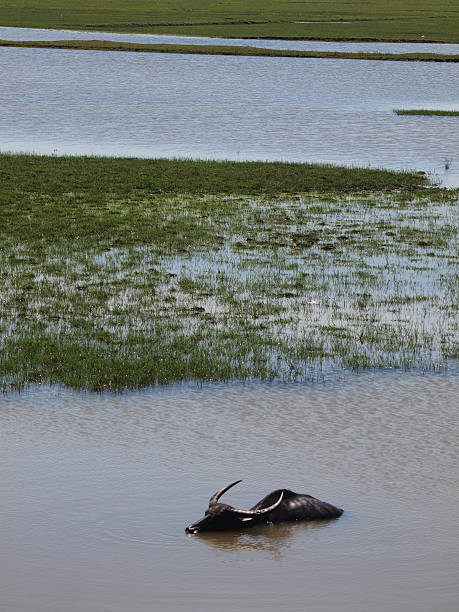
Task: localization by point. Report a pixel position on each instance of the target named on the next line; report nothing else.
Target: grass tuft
(421, 111)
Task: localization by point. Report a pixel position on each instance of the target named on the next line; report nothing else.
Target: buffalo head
(219, 517)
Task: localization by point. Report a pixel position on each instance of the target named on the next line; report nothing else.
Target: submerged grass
(104, 45)
(109, 282)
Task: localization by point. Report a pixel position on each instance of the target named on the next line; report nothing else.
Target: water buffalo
(277, 507)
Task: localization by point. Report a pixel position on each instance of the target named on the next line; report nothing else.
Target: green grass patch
(394, 20)
(115, 275)
(422, 111)
(49, 175)
(104, 45)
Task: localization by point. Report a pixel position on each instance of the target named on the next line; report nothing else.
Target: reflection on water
(272, 540)
(166, 105)
(97, 491)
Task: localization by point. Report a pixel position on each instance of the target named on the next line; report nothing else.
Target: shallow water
(150, 105)
(306, 45)
(97, 490)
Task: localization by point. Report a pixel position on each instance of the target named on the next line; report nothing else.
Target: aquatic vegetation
(123, 287)
(421, 111)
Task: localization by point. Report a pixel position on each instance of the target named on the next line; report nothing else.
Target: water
(337, 111)
(97, 491)
(305, 45)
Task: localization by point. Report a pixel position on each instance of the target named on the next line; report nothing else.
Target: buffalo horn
(214, 499)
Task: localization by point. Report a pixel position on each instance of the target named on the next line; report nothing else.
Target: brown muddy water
(97, 491)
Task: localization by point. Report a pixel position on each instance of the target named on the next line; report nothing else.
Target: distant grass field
(407, 20)
(421, 111)
(125, 273)
(103, 45)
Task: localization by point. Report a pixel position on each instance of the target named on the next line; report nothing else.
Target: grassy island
(105, 45)
(125, 273)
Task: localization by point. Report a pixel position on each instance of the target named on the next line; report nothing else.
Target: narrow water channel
(7, 33)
